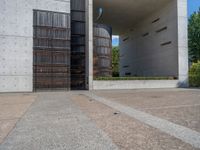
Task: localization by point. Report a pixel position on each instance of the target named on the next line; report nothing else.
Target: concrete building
(153, 42)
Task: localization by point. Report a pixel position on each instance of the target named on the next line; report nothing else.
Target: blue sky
(193, 5)
(115, 40)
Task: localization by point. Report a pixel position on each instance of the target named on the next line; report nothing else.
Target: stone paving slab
(180, 106)
(188, 116)
(11, 99)
(69, 120)
(13, 111)
(185, 134)
(12, 108)
(53, 122)
(5, 127)
(126, 132)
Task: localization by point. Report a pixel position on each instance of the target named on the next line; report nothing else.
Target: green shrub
(194, 75)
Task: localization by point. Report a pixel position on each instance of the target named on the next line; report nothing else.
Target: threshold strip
(180, 132)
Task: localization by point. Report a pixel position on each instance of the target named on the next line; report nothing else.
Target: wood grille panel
(51, 46)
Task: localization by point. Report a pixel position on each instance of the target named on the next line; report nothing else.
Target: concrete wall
(134, 84)
(141, 49)
(16, 41)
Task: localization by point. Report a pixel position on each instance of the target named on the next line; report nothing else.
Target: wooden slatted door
(51, 53)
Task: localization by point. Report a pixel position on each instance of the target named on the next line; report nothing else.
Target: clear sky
(193, 5)
(115, 40)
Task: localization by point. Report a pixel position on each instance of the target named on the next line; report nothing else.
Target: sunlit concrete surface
(77, 120)
(181, 106)
(180, 132)
(54, 122)
(12, 108)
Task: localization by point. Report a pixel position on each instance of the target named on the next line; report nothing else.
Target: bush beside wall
(194, 75)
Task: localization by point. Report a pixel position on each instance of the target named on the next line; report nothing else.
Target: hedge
(194, 75)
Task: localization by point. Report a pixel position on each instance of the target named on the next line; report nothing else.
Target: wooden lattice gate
(51, 53)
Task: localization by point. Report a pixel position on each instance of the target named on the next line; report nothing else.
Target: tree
(194, 75)
(115, 61)
(194, 37)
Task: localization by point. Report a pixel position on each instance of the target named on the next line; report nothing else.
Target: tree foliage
(115, 61)
(194, 75)
(194, 37)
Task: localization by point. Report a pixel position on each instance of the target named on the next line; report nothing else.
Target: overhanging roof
(123, 14)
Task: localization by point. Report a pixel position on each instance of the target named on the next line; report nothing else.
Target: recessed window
(128, 74)
(166, 43)
(125, 39)
(145, 34)
(156, 20)
(161, 29)
(125, 66)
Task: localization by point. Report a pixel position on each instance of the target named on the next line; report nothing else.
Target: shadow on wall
(183, 84)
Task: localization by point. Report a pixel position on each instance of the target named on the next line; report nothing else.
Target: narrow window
(166, 43)
(125, 66)
(125, 39)
(145, 34)
(156, 20)
(161, 29)
(128, 74)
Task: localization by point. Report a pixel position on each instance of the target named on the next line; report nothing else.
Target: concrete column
(182, 42)
(89, 43)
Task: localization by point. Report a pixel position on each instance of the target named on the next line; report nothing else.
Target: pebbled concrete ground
(71, 120)
(128, 133)
(53, 122)
(180, 106)
(12, 108)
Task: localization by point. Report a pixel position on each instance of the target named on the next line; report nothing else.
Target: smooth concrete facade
(141, 49)
(134, 84)
(143, 54)
(16, 39)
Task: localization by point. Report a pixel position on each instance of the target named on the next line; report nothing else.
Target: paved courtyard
(159, 119)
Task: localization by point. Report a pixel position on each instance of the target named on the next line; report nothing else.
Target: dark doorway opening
(78, 47)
